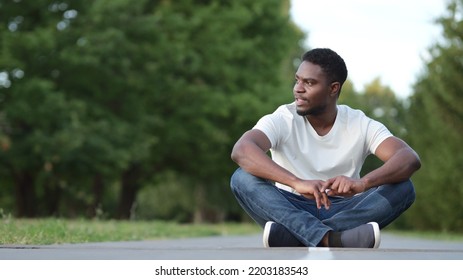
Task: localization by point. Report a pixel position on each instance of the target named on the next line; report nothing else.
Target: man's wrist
(366, 183)
(293, 182)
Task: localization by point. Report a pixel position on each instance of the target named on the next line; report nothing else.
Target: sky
(388, 39)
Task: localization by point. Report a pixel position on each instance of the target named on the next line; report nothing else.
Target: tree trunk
(130, 184)
(97, 189)
(200, 201)
(26, 198)
(53, 196)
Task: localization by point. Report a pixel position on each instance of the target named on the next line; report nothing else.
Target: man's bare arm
(400, 162)
(250, 153)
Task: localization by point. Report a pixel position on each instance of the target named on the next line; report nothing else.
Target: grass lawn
(56, 231)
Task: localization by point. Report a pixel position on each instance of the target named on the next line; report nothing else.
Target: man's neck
(323, 123)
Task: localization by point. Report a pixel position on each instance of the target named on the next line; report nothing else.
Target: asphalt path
(392, 247)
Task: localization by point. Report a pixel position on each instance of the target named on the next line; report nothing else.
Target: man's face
(311, 89)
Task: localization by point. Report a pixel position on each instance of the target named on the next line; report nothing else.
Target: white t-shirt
(297, 147)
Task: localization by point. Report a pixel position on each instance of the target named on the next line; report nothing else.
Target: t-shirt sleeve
(273, 126)
(376, 134)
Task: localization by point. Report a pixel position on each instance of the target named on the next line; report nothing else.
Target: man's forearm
(399, 167)
(258, 163)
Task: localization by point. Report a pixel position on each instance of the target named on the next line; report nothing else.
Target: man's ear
(335, 87)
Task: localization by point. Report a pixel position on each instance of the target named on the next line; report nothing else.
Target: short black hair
(332, 64)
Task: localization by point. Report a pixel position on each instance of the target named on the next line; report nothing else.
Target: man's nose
(298, 87)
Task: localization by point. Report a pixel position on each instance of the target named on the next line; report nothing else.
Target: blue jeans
(264, 202)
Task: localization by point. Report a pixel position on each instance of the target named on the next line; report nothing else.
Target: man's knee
(407, 190)
(399, 193)
(239, 180)
(236, 178)
(244, 182)
(410, 190)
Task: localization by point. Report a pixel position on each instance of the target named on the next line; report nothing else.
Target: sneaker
(364, 236)
(276, 235)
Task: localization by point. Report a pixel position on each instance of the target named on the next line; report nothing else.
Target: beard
(315, 111)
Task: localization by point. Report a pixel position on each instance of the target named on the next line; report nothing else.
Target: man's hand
(312, 189)
(343, 186)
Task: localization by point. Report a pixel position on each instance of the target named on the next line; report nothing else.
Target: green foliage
(379, 102)
(436, 121)
(129, 109)
(99, 99)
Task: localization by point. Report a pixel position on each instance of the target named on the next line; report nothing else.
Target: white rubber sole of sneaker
(377, 233)
(266, 234)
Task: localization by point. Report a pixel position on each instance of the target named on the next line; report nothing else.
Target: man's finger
(326, 185)
(326, 201)
(317, 196)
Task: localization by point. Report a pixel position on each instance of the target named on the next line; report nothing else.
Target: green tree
(436, 122)
(225, 67)
(100, 98)
(38, 121)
